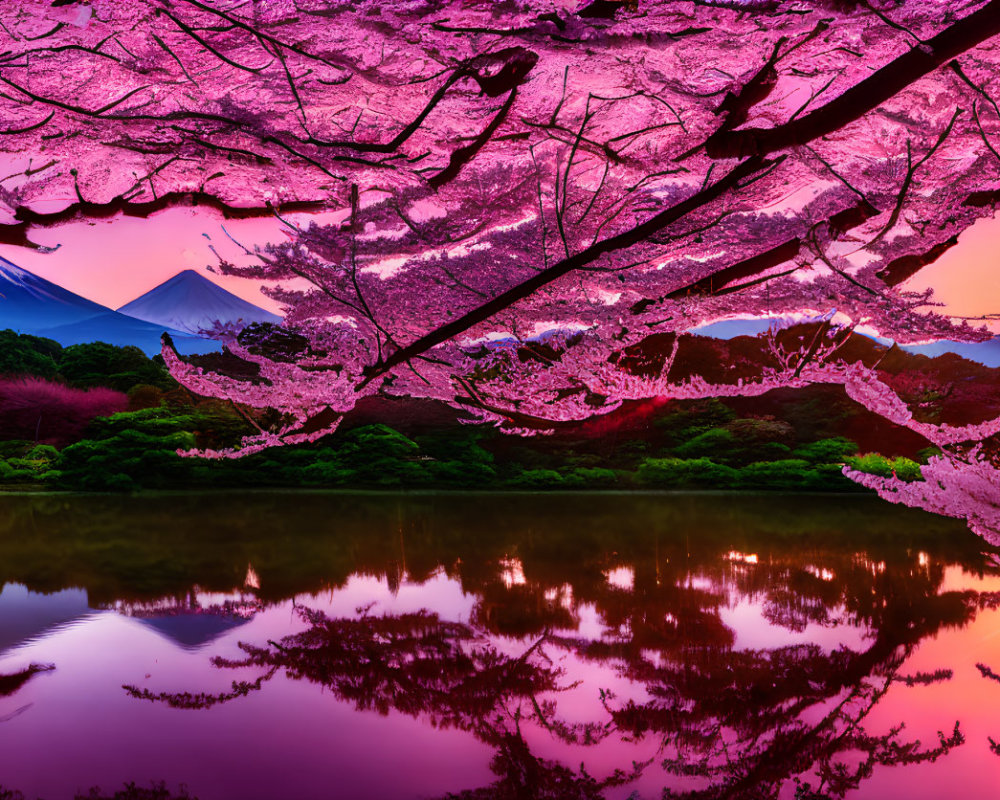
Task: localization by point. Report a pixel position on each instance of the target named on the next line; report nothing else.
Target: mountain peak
(190, 274)
(31, 304)
(191, 302)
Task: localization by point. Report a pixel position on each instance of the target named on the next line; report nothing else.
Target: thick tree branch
(610, 245)
(864, 96)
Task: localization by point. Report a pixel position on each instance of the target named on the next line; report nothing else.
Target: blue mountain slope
(190, 302)
(986, 353)
(119, 329)
(30, 304)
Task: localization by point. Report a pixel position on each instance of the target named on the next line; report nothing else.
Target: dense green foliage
(81, 365)
(706, 444)
(903, 468)
(21, 354)
(138, 449)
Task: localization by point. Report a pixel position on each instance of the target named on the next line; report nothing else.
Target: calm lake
(299, 646)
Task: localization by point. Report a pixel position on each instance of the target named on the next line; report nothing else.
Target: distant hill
(986, 353)
(30, 304)
(946, 388)
(191, 303)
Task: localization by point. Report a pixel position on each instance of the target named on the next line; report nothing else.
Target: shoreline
(860, 492)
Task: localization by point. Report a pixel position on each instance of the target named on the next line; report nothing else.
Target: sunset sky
(114, 261)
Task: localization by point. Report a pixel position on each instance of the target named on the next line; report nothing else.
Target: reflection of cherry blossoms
(724, 720)
(12, 682)
(422, 666)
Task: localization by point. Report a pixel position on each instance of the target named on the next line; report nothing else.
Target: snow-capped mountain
(190, 302)
(30, 304)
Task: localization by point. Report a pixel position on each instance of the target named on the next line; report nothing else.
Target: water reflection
(25, 615)
(702, 647)
(195, 619)
(9, 684)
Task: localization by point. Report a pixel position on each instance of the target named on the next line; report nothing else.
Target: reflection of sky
(753, 631)
(971, 771)
(79, 728)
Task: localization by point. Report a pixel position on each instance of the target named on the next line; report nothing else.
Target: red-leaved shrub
(39, 410)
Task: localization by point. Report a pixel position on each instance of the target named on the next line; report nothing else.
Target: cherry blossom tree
(527, 203)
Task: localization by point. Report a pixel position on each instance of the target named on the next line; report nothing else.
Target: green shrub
(536, 479)
(381, 456)
(906, 469)
(712, 443)
(590, 477)
(120, 368)
(676, 473)
(872, 463)
(142, 459)
(696, 418)
(792, 473)
(827, 451)
(22, 354)
(42, 452)
(460, 473)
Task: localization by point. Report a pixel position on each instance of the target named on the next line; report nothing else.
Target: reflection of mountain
(190, 302)
(192, 622)
(191, 631)
(30, 304)
(26, 615)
